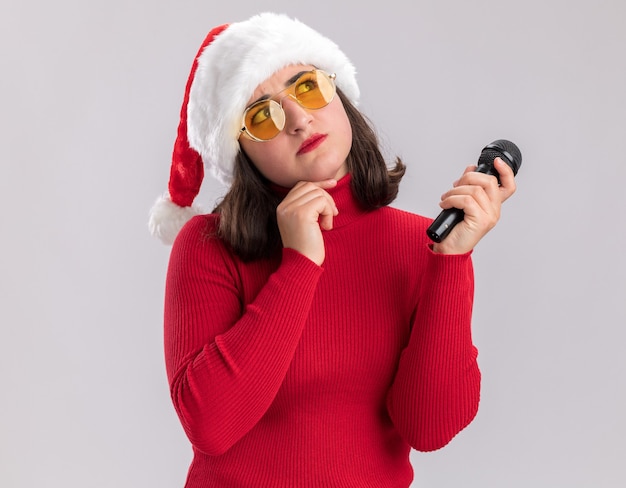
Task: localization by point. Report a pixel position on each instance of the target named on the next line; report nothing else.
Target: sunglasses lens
(314, 89)
(264, 120)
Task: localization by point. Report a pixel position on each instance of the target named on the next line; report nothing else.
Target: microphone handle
(448, 218)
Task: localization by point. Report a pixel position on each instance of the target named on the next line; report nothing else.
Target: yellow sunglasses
(265, 119)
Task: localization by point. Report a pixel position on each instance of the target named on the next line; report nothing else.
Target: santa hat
(232, 61)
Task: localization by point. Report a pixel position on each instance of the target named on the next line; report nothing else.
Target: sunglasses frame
(273, 99)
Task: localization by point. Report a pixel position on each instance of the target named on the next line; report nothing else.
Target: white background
(90, 94)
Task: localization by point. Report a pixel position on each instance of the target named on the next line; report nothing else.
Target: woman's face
(313, 145)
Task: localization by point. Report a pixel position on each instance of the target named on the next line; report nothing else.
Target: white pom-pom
(167, 218)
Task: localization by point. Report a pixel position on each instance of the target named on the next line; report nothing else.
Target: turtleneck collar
(349, 207)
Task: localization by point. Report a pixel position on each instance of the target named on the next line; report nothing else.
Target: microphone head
(504, 149)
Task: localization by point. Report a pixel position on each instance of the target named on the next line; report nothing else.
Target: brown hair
(248, 211)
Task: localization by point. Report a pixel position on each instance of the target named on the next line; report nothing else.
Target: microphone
(449, 217)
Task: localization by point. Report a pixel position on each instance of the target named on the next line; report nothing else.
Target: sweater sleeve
(436, 389)
(226, 361)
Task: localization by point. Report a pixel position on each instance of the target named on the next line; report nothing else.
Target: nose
(296, 116)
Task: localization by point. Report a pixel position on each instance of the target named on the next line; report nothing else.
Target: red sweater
(287, 374)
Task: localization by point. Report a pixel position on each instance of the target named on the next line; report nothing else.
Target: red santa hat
(232, 61)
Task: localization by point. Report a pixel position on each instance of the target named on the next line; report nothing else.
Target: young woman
(313, 334)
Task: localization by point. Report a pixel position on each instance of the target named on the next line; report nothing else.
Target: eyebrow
(290, 81)
(294, 78)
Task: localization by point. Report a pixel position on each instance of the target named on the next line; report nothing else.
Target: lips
(311, 143)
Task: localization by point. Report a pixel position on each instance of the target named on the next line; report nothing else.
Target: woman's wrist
(442, 248)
